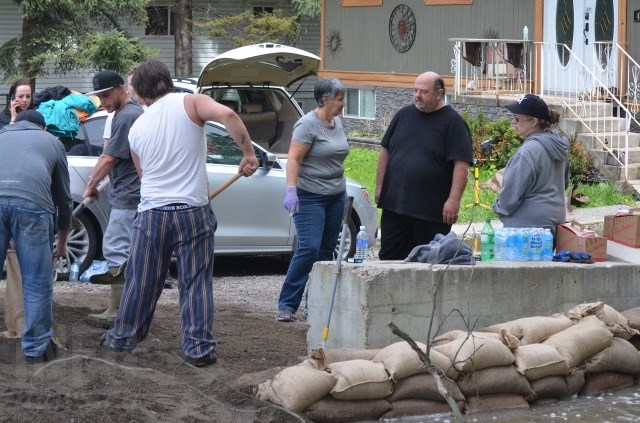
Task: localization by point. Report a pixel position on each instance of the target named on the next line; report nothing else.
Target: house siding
(204, 48)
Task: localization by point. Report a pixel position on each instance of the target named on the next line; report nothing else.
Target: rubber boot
(106, 319)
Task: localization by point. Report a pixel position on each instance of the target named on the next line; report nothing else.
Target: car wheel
(349, 242)
(82, 245)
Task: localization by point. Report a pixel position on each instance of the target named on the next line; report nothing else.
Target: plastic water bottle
(362, 246)
(547, 245)
(487, 244)
(535, 244)
(525, 33)
(74, 271)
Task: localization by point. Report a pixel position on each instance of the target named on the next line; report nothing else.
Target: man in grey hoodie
(536, 176)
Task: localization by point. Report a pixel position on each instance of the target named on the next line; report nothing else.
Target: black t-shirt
(422, 149)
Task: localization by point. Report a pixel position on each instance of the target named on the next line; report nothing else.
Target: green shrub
(580, 160)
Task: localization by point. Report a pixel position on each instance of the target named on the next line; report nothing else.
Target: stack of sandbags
(416, 392)
(532, 330)
(633, 317)
(556, 387)
(494, 388)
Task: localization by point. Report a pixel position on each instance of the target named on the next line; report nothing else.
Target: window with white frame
(161, 21)
(361, 103)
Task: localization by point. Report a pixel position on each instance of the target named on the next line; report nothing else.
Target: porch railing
(593, 93)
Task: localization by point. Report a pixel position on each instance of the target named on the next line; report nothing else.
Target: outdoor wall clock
(402, 28)
(334, 42)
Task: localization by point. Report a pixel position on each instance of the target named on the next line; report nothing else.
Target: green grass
(361, 163)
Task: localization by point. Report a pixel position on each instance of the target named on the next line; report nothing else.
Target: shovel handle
(224, 186)
(101, 186)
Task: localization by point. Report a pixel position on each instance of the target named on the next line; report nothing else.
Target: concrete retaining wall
(370, 296)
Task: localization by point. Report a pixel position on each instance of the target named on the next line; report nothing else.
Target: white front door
(583, 26)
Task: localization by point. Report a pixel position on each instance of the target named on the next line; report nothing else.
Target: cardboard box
(572, 236)
(623, 228)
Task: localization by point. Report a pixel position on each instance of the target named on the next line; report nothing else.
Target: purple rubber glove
(291, 199)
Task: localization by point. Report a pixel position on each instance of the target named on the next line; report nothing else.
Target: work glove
(291, 199)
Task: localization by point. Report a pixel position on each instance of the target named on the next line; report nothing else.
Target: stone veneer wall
(390, 100)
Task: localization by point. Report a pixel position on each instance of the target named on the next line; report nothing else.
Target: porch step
(612, 139)
(597, 125)
(613, 172)
(596, 108)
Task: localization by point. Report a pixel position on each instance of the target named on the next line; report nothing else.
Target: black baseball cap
(32, 116)
(530, 105)
(105, 80)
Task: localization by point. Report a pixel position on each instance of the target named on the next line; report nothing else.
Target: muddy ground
(154, 383)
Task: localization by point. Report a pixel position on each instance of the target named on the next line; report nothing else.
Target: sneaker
(50, 353)
(285, 315)
(113, 276)
(205, 361)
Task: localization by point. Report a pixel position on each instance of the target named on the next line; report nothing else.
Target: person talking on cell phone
(20, 99)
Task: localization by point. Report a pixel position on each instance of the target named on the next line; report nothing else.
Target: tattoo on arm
(242, 140)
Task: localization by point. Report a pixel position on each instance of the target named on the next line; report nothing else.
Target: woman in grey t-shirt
(315, 189)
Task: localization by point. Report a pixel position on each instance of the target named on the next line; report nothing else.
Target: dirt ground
(153, 383)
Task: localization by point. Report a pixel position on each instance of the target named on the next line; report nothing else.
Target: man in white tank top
(168, 146)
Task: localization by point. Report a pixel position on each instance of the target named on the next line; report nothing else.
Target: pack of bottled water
(523, 244)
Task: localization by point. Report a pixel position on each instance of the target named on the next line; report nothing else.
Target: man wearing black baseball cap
(34, 181)
(116, 162)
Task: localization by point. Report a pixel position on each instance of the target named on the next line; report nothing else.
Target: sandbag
(621, 357)
(297, 387)
(617, 323)
(331, 410)
(479, 404)
(556, 386)
(346, 354)
(475, 353)
(13, 300)
(531, 330)
(633, 317)
(494, 380)
(401, 361)
(417, 407)
(597, 383)
(536, 361)
(504, 336)
(579, 342)
(360, 379)
(423, 386)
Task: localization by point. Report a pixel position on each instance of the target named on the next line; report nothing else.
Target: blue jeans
(318, 223)
(32, 230)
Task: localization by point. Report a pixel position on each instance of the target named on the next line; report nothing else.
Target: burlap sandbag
(346, 354)
(402, 361)
(621, 357)
(475, 353)
(504, 336)
(360, 379)
(494, 380)
(633, 317)
(423, 386)
(536, 361)
(531, 330)
(331, 410)
(479, 404)
(13, 300)
(617, 323)
(297, 387)
(579, 342)
(417, 407)
(597, 383)
(557, 386)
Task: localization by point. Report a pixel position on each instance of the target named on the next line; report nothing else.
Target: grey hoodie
(535, 179)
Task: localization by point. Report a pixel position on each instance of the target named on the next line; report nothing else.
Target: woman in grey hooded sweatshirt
(536, 176)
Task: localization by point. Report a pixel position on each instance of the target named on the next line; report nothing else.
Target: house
(378, 47)
(159, 35)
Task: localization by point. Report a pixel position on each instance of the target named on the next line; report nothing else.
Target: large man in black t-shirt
(422, 170)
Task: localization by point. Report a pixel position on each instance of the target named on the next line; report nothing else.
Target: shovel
(224, 186)
(338, 266)
(101, 186)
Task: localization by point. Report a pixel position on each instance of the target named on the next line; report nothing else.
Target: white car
(250, 213)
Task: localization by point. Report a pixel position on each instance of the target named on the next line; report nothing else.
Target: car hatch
(259, 64)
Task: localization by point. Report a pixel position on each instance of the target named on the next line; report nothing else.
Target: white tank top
(172, 151)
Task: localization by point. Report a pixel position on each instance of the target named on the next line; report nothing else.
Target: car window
(221, 149)
(95, 130)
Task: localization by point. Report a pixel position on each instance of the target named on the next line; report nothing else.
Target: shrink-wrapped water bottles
(523, 244)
